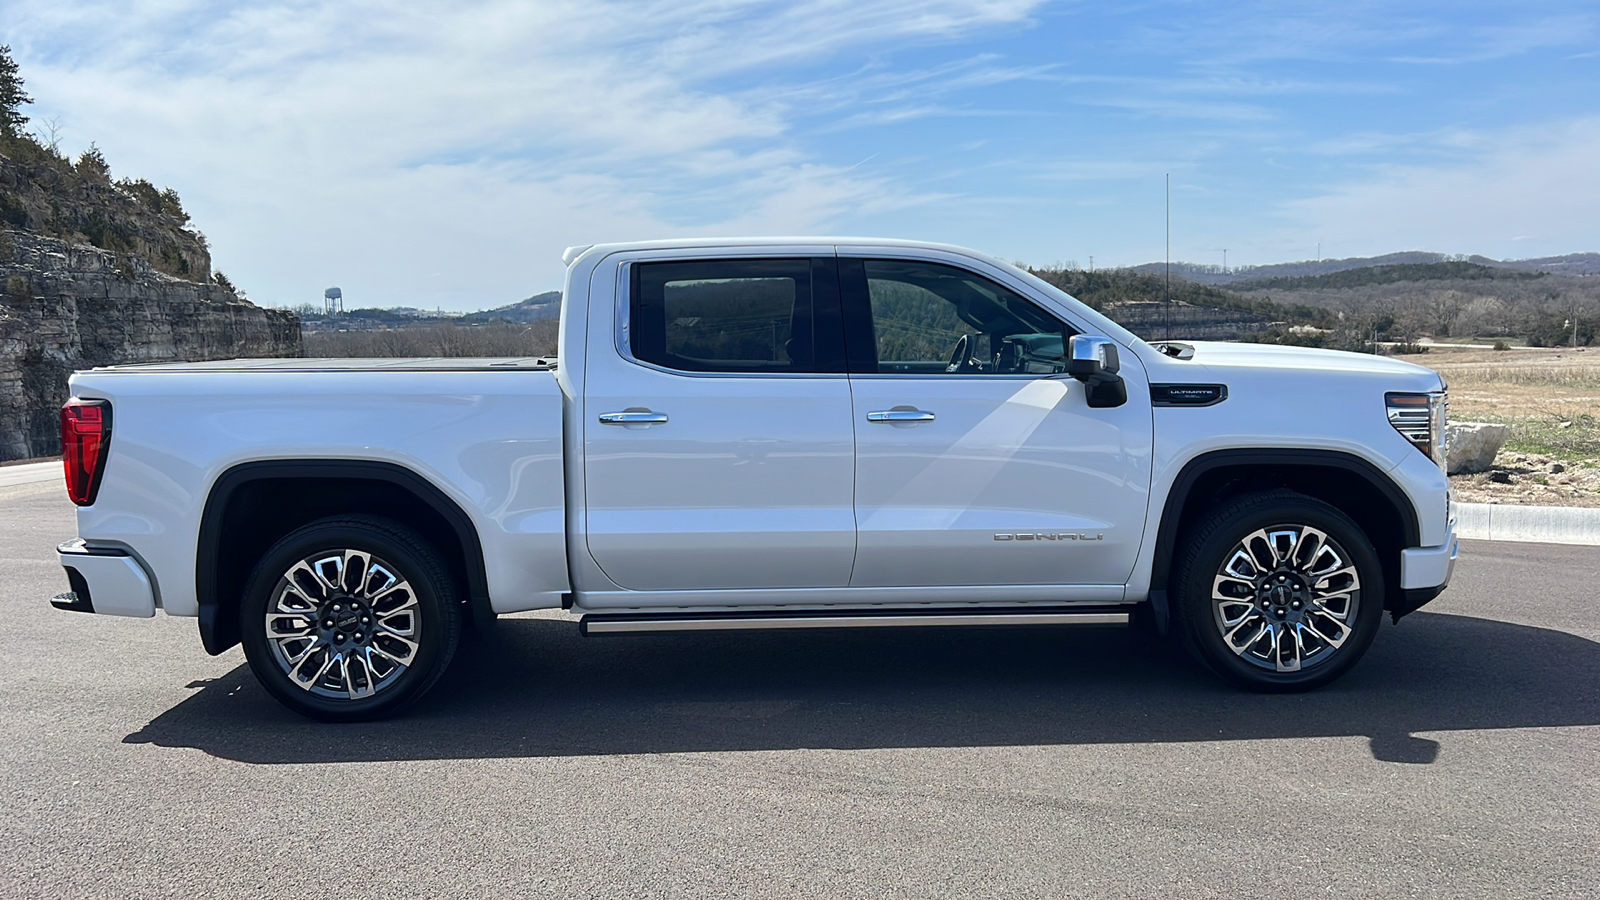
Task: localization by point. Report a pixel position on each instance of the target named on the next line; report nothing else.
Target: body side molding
(637, 623)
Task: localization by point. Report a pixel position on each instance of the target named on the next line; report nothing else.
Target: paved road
(30, 473)
(1461, 759)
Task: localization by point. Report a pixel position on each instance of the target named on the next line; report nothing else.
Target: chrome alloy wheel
(1286, 598)
(343, 624)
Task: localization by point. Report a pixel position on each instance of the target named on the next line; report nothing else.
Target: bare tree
(47, 133)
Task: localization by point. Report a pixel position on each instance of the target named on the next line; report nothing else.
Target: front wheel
(1278, 592)
(350, 618)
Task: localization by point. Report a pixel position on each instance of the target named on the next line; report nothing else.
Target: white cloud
(444, 154)
(380, 143)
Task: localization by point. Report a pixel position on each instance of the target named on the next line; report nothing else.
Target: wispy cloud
(1535, 184)
(494, 125)
(383, 143)
(1500, 41)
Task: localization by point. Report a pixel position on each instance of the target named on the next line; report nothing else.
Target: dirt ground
(1532, 479)
(1551, 400)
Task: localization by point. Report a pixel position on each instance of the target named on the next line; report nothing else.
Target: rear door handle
(634, 416)
(901, 414)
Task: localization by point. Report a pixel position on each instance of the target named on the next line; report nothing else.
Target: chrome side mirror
(1093, 360)
(1092, 357)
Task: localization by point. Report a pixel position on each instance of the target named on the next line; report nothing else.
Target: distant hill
(534, 309)
(540, 306)
(1207, 274)
(1338, 303)
(1390, 274)
(1571, 264)
(1136, 301)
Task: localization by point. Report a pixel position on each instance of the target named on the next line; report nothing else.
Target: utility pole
(1091, 263)
(1224, 260)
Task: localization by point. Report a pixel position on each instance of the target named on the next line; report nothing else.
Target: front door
(977, 461)
(718, 446)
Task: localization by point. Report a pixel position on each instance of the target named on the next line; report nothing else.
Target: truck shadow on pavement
(535, 688)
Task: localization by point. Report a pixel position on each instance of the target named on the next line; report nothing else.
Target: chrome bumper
(104, 580)
(1430, 567)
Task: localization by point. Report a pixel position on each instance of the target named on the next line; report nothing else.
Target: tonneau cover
(412, 364)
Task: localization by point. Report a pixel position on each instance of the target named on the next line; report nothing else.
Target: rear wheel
(350, 618)
(1278, 592)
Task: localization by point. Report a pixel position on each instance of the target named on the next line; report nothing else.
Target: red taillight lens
(85, 437)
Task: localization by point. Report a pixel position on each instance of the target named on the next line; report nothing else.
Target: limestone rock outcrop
(66, 305)
(1471, 446)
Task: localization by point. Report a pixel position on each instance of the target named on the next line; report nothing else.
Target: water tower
(332, 302)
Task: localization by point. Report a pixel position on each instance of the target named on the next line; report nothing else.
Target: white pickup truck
(781, 433)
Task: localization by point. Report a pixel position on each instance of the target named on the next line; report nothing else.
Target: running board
(613, 623)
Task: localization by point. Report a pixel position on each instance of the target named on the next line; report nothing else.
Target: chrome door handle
(901, 414)
(633, 417)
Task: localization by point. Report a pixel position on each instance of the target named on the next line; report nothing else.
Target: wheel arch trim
(214, 626)
(1189, 476)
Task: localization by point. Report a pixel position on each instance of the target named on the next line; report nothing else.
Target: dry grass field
(1551, 400)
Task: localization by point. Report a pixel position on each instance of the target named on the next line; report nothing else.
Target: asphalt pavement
(1460, 759)
(30, 473)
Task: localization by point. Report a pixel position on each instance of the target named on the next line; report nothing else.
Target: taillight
(1420, 418)
(85, 438)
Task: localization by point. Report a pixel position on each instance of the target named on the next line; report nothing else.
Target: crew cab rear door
(978, 462)
(718, 446)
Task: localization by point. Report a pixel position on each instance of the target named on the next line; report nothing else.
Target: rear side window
(739, 315)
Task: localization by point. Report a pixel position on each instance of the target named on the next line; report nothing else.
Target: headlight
(1420, 418)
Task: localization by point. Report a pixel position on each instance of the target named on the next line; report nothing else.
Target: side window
(934, 319)
(725, 315)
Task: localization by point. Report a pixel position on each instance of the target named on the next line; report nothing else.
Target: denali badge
(1049, 536)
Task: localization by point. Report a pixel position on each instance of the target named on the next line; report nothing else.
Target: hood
(1217, 354)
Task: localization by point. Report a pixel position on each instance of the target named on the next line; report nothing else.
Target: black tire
(1293, 612)
(373, 668)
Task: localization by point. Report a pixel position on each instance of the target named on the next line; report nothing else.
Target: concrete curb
(1532, 524)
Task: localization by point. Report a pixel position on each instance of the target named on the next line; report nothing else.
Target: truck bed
(486, 433)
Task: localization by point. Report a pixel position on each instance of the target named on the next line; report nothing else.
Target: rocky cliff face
(67, 305)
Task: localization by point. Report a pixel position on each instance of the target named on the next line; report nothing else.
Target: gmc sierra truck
(777, 433)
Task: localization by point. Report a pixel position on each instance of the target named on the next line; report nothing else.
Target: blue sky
(443, 155)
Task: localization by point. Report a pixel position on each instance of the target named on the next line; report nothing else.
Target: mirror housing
(1090, 357)
(1093, 360)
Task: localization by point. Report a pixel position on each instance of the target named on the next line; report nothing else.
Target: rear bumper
(104, 580)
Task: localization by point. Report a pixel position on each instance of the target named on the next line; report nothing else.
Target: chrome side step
(622, 623)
